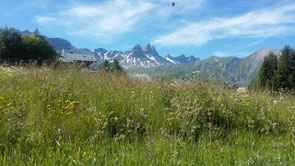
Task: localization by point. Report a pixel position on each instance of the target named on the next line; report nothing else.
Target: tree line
(278, 73)
(106, 66)
(16, 47)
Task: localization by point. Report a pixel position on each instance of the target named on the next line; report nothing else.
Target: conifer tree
(285, 68)
(106, 66)
(116, 66)
(267, 73)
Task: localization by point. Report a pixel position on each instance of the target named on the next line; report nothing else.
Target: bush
(16, 47)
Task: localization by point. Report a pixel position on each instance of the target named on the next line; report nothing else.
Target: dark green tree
(15, 47)
(116, 66)
(38, 48)
(11, 46)
(105, 66)
(267, 73)
(286, 68)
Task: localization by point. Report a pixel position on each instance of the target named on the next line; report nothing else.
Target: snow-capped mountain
(138, 57)
(181, 59)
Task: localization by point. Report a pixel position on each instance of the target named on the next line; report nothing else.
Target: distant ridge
(229, 69)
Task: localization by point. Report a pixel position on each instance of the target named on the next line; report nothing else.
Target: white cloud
(228, 54)
(110, 18)
(102, 20)
(44, 19)
(220, 54)
(262, 23)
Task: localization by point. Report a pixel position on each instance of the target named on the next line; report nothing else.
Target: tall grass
(71, 116)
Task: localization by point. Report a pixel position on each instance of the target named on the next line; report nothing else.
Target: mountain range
(138, 57)
(229, 69)
(147, 60)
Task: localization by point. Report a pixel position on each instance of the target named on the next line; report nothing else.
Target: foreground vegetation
(71, 116)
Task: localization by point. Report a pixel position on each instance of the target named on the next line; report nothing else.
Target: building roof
(71, 57)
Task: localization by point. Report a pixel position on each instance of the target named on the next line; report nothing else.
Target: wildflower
(11, 107)
(84, 153)
(151, 157)
(68, 101)
(9, 104)
(1, 98)
(61, 112)
(142, 93)
(59, 100)
(69, 113)
(76, 102)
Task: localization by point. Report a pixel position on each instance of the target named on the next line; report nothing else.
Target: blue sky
(193, 27)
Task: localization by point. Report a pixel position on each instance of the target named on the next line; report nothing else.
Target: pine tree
(106, 66)
(116, 66)
(267, 73)
(285, 67)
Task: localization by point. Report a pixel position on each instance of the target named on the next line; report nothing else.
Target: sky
(202, 28)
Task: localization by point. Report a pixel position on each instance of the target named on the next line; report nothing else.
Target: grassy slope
(68, 116)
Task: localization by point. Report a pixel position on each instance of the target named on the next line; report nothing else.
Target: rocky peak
(183, 59)
(100, 50)
(137, 51)
(137, 48)
(147, 48)
(168, 56)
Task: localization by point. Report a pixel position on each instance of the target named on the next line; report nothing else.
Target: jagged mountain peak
(183, 59)
(147, 48)
(137, 47)
(102, 50)
(181, 56)
(168, 56)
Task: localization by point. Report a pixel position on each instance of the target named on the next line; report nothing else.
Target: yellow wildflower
(84, 153)
(1, 98)
(9, 104)
(69, 113)
(142, 93)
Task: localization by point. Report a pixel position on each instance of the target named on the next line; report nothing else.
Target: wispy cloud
(228, 54)
(44, 20)
(220, 54)
(110, 18)
(261, 23)
(103, 20)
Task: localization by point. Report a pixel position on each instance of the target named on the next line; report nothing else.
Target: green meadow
(72, 116)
